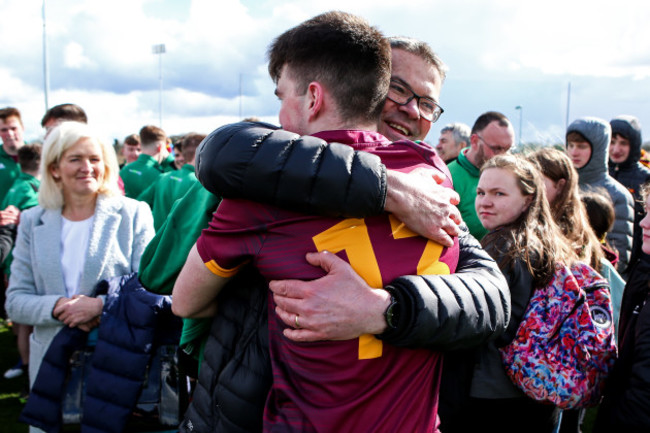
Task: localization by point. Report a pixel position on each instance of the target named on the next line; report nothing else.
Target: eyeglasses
(402, 94)
(496, 149)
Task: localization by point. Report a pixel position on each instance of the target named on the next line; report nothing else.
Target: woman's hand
(89, 326)
(79, 311)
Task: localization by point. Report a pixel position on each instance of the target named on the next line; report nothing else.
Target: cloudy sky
(501, 54)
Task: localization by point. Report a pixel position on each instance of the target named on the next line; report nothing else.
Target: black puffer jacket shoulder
(249, 160)
(235, 376)
(456, 311)
(626, 402)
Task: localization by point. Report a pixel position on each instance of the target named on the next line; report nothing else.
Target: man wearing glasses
(492, 134)
(416, 78)
(454, 311)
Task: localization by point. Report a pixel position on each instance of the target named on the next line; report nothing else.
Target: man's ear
(314, 99)
(473, 142)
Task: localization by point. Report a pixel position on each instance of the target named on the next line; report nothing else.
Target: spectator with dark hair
(626, 168)
(11, 133)
(179, 160)
(61, 113)
(131, 149)
(600, 211)
(141, 173)
(24, 192)
(169, 187)
(491, 135)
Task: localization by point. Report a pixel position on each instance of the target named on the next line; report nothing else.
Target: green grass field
(10, 405)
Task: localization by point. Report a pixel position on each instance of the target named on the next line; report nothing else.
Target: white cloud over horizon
(501, 54)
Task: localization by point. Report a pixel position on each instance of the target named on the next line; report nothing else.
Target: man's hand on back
(338, 306)
(426, 207)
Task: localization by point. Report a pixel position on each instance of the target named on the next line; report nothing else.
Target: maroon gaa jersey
(338, 386)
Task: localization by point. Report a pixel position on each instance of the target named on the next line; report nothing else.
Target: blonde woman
(82, 231)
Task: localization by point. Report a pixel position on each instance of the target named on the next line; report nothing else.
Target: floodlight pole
(240, 95)
(521, 115)
(46, 73)
(568, 105)
(160, 50)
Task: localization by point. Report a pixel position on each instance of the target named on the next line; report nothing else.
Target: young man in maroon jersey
(332, 74)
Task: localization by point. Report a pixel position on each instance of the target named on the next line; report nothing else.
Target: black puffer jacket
(626, 403)
(632, 174)
(255, 161)
(440, 312)
(235, 375)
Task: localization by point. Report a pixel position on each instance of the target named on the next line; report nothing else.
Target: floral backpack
(565, 347)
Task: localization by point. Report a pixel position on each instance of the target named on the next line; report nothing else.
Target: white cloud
(498, 52)
(74, 57)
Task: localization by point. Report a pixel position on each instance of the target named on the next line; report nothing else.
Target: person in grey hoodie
(588, 145)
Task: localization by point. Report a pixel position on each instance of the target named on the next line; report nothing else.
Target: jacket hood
(599, 134)
(630, 128)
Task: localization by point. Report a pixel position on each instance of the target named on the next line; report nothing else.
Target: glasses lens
(399, 93)
(429, 109)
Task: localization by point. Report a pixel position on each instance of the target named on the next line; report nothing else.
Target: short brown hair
(488, 117)
(189, 143)
(422, 50)
(576, 137)
(65, 112)
(150, 134)
(8, 112)
(132, 140)
(343, 52)
(29, 157)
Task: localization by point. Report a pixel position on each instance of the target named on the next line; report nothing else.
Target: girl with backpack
(526, 243)
(570, 213)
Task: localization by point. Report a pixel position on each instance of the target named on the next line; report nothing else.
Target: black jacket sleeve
(7, 238)
(457, 311)
(258, 162)
(626, 403)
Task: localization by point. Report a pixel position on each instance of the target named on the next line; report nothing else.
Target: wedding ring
(296, 321)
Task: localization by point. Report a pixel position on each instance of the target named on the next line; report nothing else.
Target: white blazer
(121, 230)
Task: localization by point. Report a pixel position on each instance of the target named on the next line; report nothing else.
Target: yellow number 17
(352, 236)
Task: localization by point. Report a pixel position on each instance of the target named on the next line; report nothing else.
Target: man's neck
(471, 157)
(340, 126)
(155, 155)
(9, 153)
